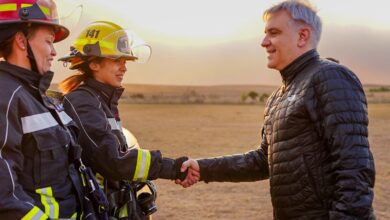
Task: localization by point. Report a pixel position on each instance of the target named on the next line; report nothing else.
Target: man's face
(110, 71)
(281, 40)
(41, 43)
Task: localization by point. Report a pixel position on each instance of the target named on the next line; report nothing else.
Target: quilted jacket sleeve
(344, 125)
(250, 166)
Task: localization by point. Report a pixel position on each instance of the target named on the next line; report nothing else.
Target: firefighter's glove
(177, 166)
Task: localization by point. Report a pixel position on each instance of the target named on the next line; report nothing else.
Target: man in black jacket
(314, 147)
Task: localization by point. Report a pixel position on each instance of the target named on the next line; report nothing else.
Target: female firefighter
(38, 178)
(99, 55)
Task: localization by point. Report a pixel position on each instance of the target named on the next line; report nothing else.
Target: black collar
(110, 95)
(292, 69)
(32, 80)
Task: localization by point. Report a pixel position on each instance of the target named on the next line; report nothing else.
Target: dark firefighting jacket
(314, 149)
(94, 107)
(35, 174)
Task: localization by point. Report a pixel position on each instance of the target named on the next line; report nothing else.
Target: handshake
(188, 171)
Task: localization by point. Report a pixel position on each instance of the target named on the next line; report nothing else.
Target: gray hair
(300, 11)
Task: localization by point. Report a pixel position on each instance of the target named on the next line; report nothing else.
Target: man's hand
(193, 174)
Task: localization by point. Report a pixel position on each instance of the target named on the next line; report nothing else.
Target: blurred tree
(253, 95)
(263, 97)
(244, 96)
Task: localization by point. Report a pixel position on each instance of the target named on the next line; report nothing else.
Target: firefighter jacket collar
(109, 94)
(32, 79)
(291, 70)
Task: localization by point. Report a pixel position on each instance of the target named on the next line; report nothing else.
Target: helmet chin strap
(30, 54)
(31, 58)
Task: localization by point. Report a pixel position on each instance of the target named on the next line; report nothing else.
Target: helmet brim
(61, 32)
(77, 61)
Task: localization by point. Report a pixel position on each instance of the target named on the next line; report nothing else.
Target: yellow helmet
(108, 40)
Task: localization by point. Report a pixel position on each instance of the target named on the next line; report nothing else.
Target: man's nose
(265, 42)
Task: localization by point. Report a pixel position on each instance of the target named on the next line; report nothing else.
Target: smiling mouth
(271, 51)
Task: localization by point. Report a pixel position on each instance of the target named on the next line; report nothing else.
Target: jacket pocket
(51, 157)
(312, 178)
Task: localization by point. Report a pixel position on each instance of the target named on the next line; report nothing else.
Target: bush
(137, 96)
(244, 97)
(263, 97)
(380, 89)
(253, 95)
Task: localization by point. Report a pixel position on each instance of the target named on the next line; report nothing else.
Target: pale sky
(216, 42)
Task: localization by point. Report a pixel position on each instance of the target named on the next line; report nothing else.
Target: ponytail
(72, 82)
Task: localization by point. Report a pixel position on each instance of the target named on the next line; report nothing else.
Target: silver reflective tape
(39, 216)
(45, 195)
(119, 123)
(64, 117)
(114, 125)
(38, 122)
(141, 173)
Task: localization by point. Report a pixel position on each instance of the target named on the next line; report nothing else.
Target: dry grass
(223, 94)
(213, 130)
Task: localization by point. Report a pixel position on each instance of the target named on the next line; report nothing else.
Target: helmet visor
(124, 43)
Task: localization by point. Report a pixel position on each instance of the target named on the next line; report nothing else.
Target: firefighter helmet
(108, 40)
(13, 12)
(131, 140)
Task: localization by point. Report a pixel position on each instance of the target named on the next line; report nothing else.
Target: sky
(217, 42)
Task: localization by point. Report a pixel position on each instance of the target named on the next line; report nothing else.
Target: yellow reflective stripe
(100, 180)
(45, 10)
(123, 212)
(138, 165)
(49, 202)
(106, 44)
(25, 5)
(8, 7)
(83, 179)
(143, 165)
(147, 166)
(74, 216)
(35, 214)
(83, 42)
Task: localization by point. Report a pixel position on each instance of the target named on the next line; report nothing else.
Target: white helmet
(131, 141)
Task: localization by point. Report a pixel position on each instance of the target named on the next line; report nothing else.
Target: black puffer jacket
(315, 147)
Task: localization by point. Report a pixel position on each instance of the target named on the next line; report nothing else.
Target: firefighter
(37, 178)
(99, 55)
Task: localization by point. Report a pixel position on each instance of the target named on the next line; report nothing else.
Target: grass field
(212, 130)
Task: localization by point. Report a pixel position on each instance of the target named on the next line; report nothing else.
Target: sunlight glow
(204, 22)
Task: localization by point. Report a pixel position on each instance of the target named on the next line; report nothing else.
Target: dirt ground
(213, 130)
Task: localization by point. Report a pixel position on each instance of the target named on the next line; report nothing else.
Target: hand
(193, 173)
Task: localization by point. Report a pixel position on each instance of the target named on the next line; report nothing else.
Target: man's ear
(20, 41)
(304, 36)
